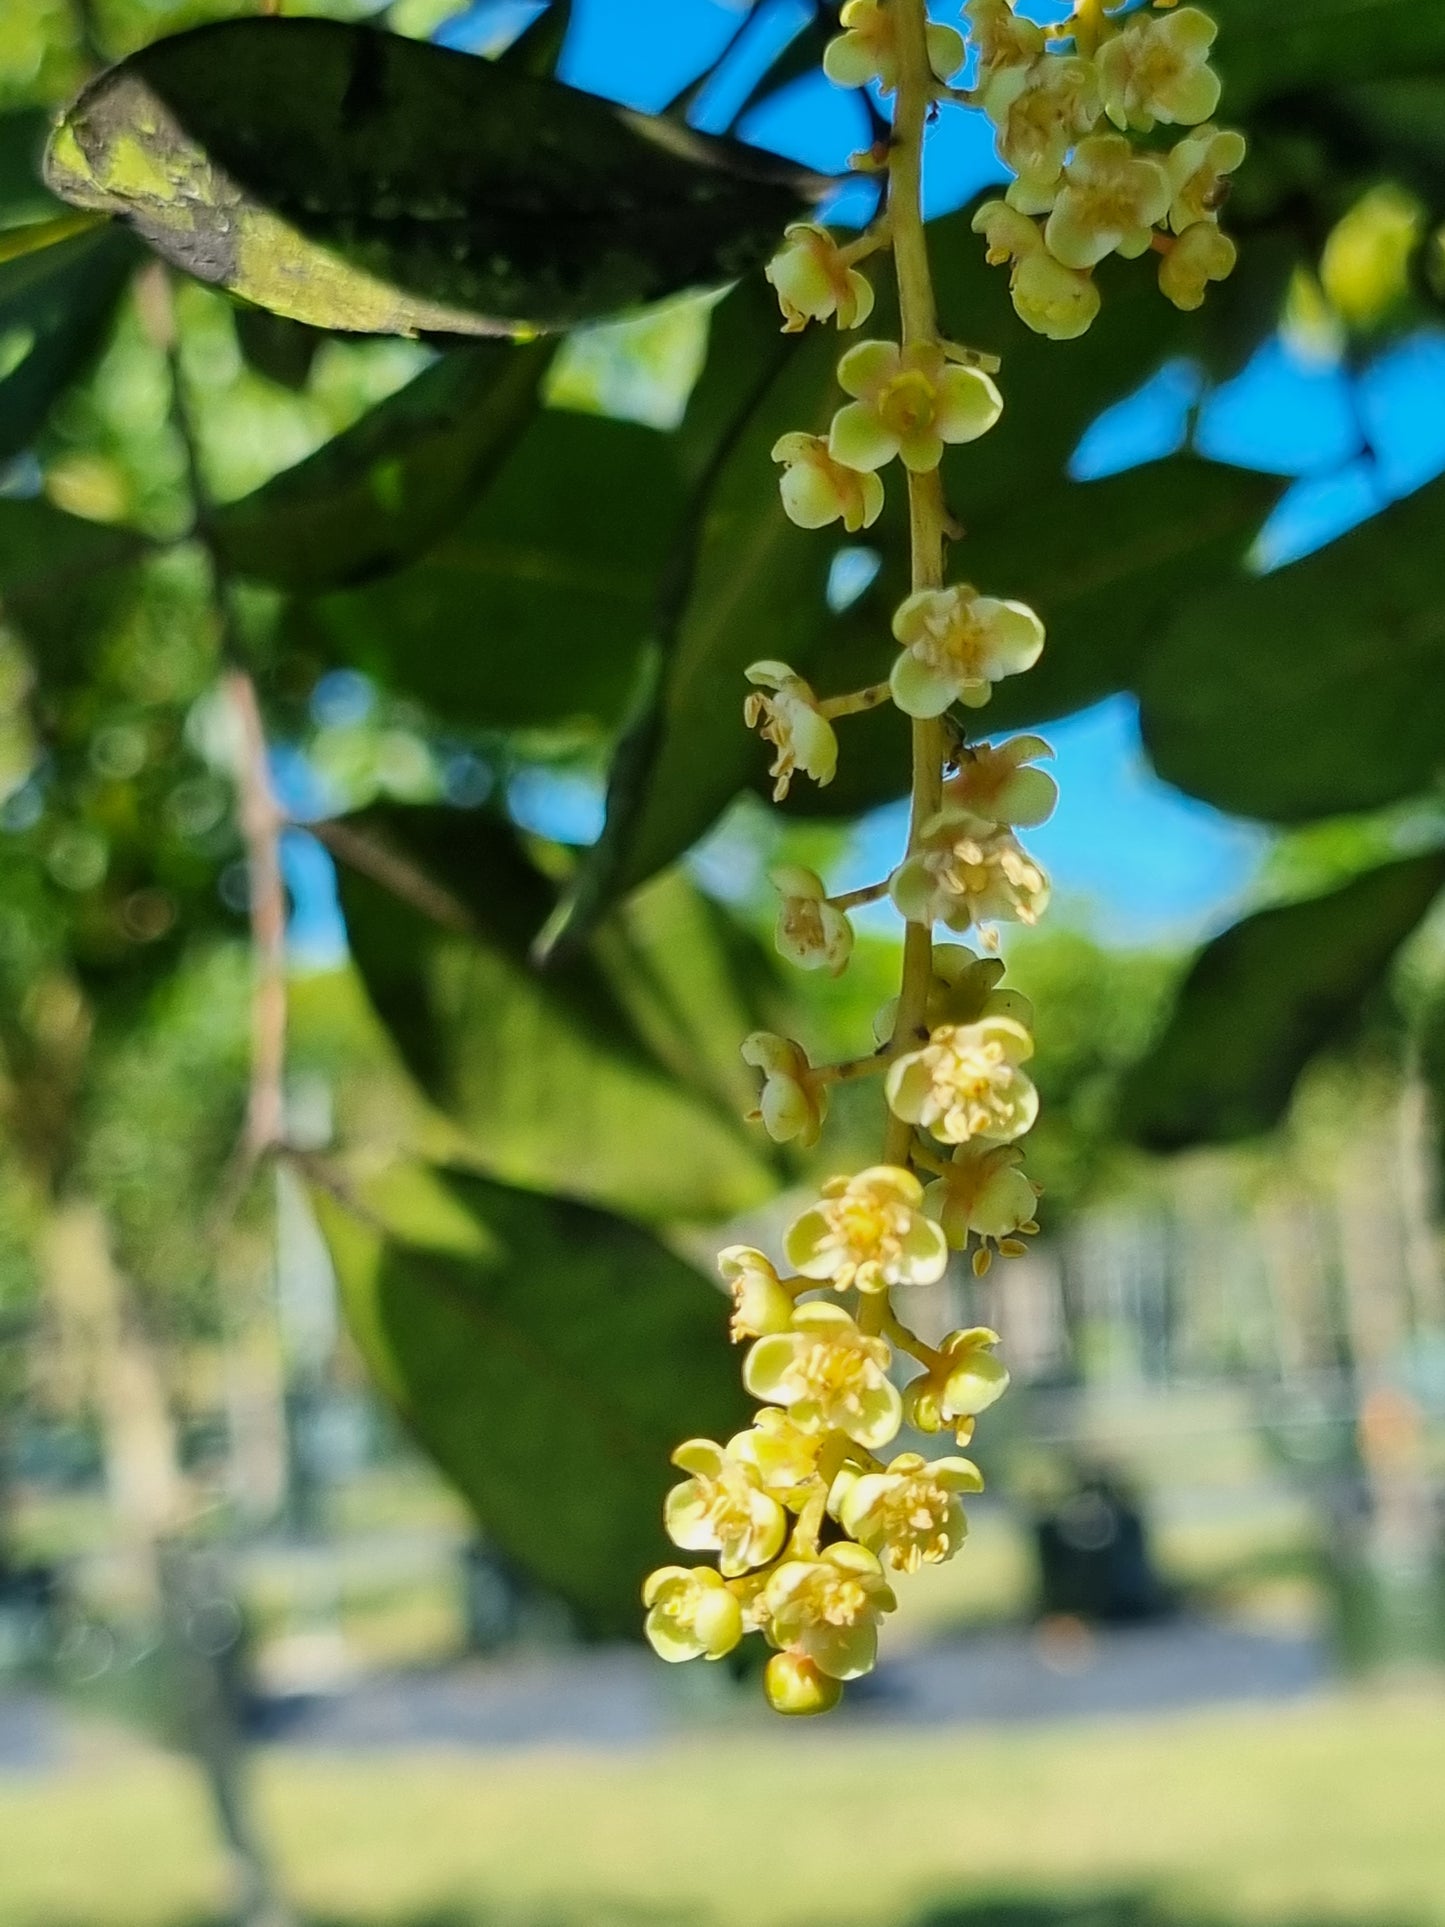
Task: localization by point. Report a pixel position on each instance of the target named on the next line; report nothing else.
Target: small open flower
(965, 987)
(814, 281)
(866, 49)
(1009, 235)
(1003, 39)
(908, 402)
(816, 490)
(956, 645)
(723, 1508)
(1040, 112)
(826, 1609)
(967, 1380)
(966, 870)
(792, 722)
(1058, 303)
(1203, 253)
(691, 1614)
(761, 1303)
(1198, 169)
(811, 932)
(785, 1455)
(869, 1232)
(909, 1514)
(829, 1375)
(1157, 68)
(997, 781)
(965, 1082)
(984, 1193)
(1109, 203)
(794, 1101)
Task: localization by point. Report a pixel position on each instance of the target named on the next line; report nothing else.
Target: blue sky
(1127, 853)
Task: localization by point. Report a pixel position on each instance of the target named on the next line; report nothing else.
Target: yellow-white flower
(1203, 253)
(1157, 68)
(761, 1303)
(1009, 235)
(964, 988)
(965, 1082)
(1057, 302)
(691, 1614)
(723, 1508)
(966, 870)
(790, 719)
(1003, 40)
(830, 1376)
(811, 932)
(909, 1515)
(794, 1685)
(785, 1455)
(908, 402)
(869, 1232)
(816, 490)
(956, 645)
(814, 282)
(826, 1609)
(1199, 167)
(967, 1380)
(997, 781)
(793, 1101)
(985, 1193)
(1109, 203)
(1040, 112)
(866, 49)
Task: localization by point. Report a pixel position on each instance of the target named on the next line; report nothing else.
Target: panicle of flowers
(814, 1509)
(1089, 116)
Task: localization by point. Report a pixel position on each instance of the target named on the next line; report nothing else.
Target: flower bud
(794, 1685)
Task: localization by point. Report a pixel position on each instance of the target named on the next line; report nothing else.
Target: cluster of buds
(812, 1512)
(1077, 112)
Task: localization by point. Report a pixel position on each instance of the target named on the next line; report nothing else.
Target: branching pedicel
(806, 1515)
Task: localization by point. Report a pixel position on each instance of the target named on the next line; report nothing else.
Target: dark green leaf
(23, 197)
(1262, 999)
(548, 1356)
(281, 350)
(549, 1075)
(538, 47)
(392, 484)
(355, 180)
(56, 308)
(534, 609)
(1315, 690)
(1273, 48)
(42, 549)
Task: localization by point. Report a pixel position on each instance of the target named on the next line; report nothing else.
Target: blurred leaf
(1273, 48)
(281, 350)
(43, 549)
(356, 180)
(538, 47)
(548, 1356)
(1315, 690)
(533, 610)
(56, 309)
(1261, 1000)
(23, 196)
(385, 489)
(547, 1074)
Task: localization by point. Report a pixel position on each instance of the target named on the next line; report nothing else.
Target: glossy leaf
(56, 307)
(533, 610)
(548, 1356)
(548, 1075)
(356, 180)
(1315, 690)
(387, 488)
(1262, 999)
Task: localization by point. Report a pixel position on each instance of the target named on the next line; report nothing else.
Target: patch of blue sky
(1146, 426)
(315, 929)
(565, 806)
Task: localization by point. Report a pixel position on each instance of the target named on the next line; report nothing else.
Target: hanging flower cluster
(1082, 113)
(813, 1511)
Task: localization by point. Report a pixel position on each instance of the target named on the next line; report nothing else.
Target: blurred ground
(1320, 1814)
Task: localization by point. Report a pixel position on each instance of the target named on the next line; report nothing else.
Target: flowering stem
(856, 1067)
(855, 899)
(861, 700)
(909, 1341)
(871, 241)
(926, 512)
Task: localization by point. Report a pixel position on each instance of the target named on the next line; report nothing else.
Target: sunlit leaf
(357, 180)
